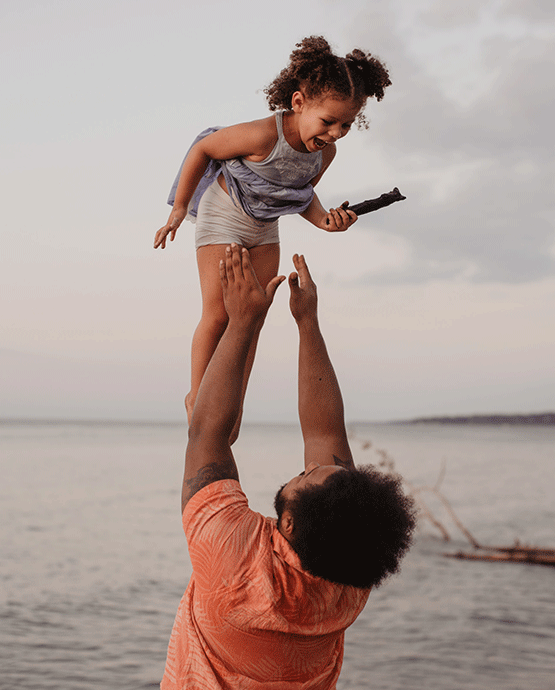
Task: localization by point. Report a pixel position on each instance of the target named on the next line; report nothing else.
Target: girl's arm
(191, 174)
(337, 219)
(253, 140)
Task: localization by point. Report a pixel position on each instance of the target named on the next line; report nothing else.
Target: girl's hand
(161, 235)
(339, 219)
(169, 229)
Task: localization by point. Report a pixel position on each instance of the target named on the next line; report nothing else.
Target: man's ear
(286, 525)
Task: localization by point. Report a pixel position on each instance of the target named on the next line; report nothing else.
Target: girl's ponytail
(368, 73)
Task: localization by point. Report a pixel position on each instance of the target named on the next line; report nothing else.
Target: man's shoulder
(226, 539)
(218, 510)
(214, 496)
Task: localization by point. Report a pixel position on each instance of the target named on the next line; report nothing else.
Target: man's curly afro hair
(352, 529)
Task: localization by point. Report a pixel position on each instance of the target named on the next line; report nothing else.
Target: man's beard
(280, 503)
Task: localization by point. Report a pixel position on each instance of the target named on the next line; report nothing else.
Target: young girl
(236, 181)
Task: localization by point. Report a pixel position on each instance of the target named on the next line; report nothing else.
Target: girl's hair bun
(371, 72)
(317, 71)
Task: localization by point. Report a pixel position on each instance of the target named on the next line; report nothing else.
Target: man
(269, 601)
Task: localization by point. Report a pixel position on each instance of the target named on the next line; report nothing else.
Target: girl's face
(324, 120)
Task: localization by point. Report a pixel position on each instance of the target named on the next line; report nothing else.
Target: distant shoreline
(539, 419)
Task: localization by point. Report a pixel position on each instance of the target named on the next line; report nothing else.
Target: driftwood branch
(427, 513)
(441, 476)
(517, 553)
(449, 508)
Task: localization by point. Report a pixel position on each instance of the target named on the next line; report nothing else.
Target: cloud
(529, 10)
(477, 172)
(445, 15)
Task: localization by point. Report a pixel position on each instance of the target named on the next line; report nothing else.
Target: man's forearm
(320, 402)
(208, 457)
(219, 398)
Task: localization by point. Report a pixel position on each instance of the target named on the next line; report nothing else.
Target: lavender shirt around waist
(259, 198)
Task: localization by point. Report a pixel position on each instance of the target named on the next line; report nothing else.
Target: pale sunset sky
(441, 304)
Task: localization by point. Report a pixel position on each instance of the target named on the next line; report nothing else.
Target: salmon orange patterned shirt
(251, 617)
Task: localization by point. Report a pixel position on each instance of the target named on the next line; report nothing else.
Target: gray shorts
(220, 221)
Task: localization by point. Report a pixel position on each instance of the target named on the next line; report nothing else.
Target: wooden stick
(374, 204)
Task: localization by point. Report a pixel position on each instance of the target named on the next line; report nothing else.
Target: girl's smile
(323, 121)
(319, 143)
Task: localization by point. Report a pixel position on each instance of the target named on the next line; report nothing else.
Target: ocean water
(94, 562)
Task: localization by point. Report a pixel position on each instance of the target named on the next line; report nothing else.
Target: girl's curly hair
(316, 71)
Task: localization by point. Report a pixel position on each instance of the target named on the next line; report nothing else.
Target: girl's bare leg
(213, 322)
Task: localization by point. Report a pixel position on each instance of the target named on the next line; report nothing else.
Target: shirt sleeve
(225, 537)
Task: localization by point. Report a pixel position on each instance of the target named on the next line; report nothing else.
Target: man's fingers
(273, 286)
(246, 265)
(298, 261)
(238, 265)
(235, 255)
(236, 261)
(223, 274)
(247, 271)
(302, 269)
(236, 270)
(230, 275)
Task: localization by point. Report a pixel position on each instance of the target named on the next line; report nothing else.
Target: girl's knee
(215, 321)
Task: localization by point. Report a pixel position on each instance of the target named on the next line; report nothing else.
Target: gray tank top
(284, 165)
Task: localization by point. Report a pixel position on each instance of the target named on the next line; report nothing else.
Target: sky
(442, 304)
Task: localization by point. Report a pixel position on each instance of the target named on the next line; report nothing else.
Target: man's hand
(245, 300)
(304, 300)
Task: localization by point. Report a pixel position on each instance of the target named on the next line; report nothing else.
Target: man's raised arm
(208, 457)
(320, 403)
